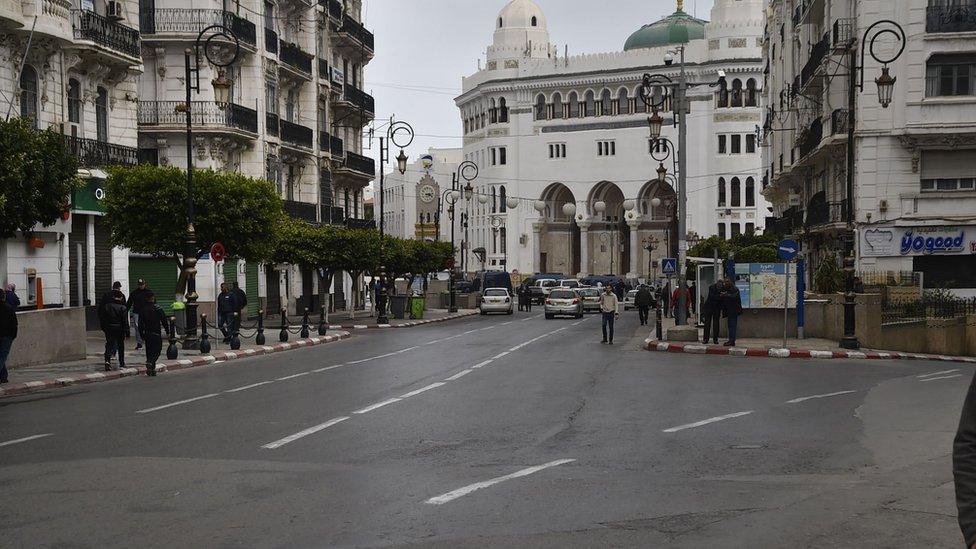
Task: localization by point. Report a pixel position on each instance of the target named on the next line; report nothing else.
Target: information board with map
(763, 285)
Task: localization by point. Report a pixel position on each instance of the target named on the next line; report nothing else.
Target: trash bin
(417, 306)
(398, 306)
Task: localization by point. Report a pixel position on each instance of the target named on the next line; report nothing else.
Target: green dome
(677, 28)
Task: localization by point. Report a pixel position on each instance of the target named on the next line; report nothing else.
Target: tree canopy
(37, 176)
(746, 248)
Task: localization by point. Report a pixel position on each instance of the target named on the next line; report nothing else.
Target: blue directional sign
(788, 249)
(669, 266)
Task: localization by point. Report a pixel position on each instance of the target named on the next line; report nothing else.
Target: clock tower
(428, 201)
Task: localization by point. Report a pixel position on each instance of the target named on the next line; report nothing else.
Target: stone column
(584, 248)
(634, 248)
(536, 247)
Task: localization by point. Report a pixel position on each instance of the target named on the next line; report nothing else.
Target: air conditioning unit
(113, 10)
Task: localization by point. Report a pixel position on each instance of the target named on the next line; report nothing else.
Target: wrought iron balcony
(302, 210)
(360, 99)
(355, 31)
(292, 55)
(811, 139)
(88, 25)
(332, 215)
(817, 54)
(99, 154)
(296, 134)
(334, 8)
(958, 17)
(202, 114)
(270, 41)
(820, 212)
(839, 121)
(192, 21)
(272, 123)
(323, 69)
(360, 164)
(353, 223)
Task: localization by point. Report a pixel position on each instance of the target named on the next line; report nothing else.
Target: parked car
(491, 279)
(565, 302)
(569, 283)
(590, 298)
(629, 300)
(496, 300)
(541, 289)
(462, 286)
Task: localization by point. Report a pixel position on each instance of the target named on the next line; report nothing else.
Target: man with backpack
(152, 325)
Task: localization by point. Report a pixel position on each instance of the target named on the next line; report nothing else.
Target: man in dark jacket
(731, 309)
(152, 324)
(643, 301)
(964, 467)
(8, 333)
(109, 297)
(115, 325)
(240, 299)
(137, 300)
(12, 298)
(226, 307)
(712, 312)
(666, 299)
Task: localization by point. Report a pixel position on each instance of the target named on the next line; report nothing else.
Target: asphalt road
(489, 432)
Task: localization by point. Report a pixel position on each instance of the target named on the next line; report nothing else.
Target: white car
(629, 300)
(497, 300)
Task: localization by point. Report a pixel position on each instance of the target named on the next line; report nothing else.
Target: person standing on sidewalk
(240, 299)
(8, 333)
(609, 305)
(152, 323)
(666, 299)
(712, 312)
(137, 300)
(114, 318)
(11, 297)
(643, 300)
(731, 309)
(226, 307)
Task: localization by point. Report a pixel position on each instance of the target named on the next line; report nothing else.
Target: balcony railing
(292, 55)
(356, 31)
(270, 41)
(843, 33)
(272, 123)
(817, 54)
(202, 114)
(839, 121)
(361, 164)
(958, 17)
(812, 138)
(820, 212)
(192, 21)
(334, 7)
(336, 147)
(88, 25)
(99, 154)
(353, 223)
(333, 215)
(296, 134)
(302, 210)
(323, 69)
(360, 99)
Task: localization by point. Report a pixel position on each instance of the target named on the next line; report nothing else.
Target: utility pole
(682, 316)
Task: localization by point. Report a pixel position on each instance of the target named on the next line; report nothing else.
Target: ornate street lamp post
(401, 135)
(468, 171)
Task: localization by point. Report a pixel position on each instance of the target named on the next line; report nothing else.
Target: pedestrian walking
(666, 299)
(964, 467)
(712, 312)
(109, 296)
(152, 324)
(11, 297)
(136, 302)
(609, 309)
(643, 300)
(731, 309)
(114, 317)
(674, 302)
(8, 333)
(226, 307)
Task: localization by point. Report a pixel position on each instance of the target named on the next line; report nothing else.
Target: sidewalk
(35, 378)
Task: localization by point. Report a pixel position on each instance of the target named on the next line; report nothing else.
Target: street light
(655, 122)
(221, 87)
(662, 173)
(886, 87)
(400, 134)
(467, 171)
(402, 162)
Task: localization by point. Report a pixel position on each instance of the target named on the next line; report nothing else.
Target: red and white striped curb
(699, 349)
(10, 389)
(404, 325)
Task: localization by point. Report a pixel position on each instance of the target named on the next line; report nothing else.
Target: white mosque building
(565, 140)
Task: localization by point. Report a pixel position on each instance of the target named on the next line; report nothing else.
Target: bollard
(235, 337)
(305, 332)
(204, 336)
(283, 335)
(323, 327)
(259, 338)
(172, 353)
(657, 323)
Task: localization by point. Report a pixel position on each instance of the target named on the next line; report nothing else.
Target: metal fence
(890, 278)
(925, 308)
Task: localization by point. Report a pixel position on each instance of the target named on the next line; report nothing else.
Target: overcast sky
(423, 47)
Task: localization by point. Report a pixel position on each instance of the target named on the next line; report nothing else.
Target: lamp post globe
(629, 205)
(656, 202)
(539, 205)
(600, 206)
(569, 209)
(483, 198)
(512, 202)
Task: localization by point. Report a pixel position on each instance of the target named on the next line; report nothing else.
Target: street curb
(13, 389)
(404, 325)
(665, 347)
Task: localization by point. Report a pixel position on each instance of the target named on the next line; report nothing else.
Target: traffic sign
(218, 252)
(669, 266)
(788, 249)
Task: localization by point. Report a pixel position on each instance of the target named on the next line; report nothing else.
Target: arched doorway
(659, 221)
(559, 235)
(611, 240)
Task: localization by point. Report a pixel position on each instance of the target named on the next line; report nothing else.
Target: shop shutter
(77, 264)
(253, 300)
(160, 276)
(274, 291)
(103, 257)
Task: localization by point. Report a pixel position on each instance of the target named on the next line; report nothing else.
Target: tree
(37, 177)
(145, 206)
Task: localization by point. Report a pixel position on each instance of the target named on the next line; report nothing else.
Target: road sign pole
(786, 306)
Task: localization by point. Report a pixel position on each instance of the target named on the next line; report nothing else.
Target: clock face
(427, 193)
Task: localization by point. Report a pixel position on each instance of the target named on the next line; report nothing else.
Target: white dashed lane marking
(461, 492)
(25, 439)
(812, 397)
(707, 421)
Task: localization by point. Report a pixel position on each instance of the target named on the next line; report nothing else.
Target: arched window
(494, 201)
(639, 105)
(28, 93)
(101, 114)
(750, 192)
(535, 22)
(573, 105)
(721, 193)
(493, 112)
(752, 94)
(500, 22)
(502, 111)
(540, 107)
(606, 103)
(557, 105)
(74, 101)
(590, 104)
(736, 191)
(501, 199)
(736, 93)
(623, 102)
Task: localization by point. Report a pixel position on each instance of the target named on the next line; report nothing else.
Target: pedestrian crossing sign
(669, 266)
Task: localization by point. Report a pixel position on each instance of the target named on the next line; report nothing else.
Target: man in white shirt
(608, 309)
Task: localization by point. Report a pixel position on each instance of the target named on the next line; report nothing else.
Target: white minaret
(520, 32)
